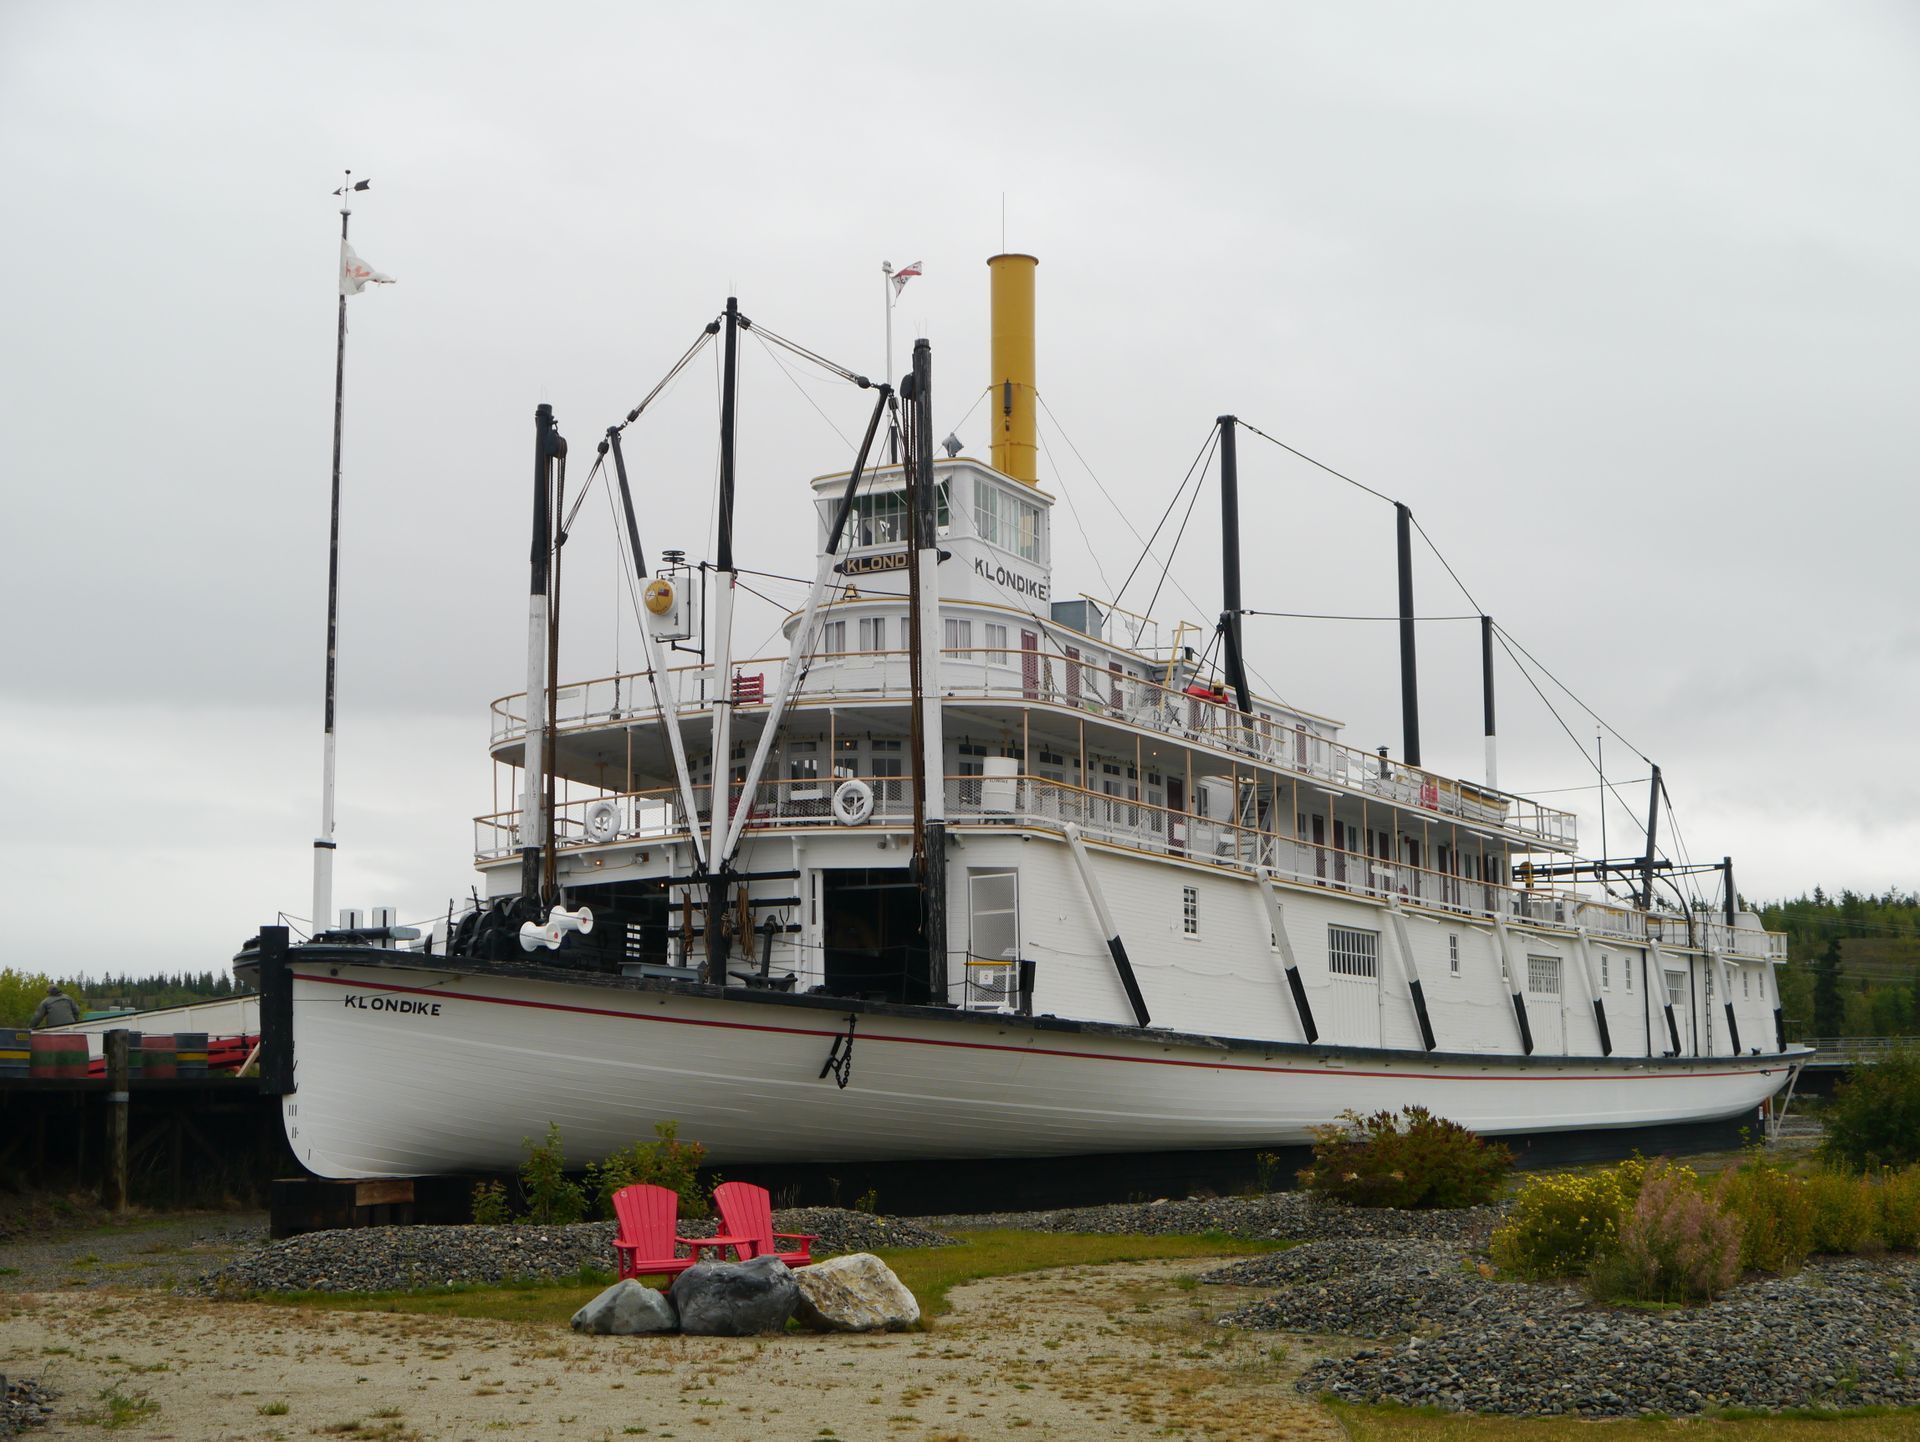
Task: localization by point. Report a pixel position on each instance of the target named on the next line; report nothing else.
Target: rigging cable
(686, 359)
(1146, 546)
(1073, 510)
(798, 387)
(1180, 535)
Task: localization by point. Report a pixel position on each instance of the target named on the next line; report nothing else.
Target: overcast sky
(1621, 299)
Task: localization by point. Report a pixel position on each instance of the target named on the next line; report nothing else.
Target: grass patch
(929, 1273)
(118, 1410)
(1427, 1424)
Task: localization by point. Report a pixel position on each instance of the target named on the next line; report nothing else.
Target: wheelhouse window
(879, 518)
(996, 643)
(1353, 952)
(1006, 521)
(833, 638)
(873, 633)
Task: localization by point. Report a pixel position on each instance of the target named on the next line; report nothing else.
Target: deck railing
(1010, 675)
(980, 801)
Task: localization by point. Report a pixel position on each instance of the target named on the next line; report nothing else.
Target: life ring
(603, 820)
(852, 802)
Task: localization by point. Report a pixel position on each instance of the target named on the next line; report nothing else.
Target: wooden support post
(113, 1193)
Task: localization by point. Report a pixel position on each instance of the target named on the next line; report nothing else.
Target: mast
(719, 794)
(1653, 826)
(930, 834)
(1230, 564)
(1409, 677)
(324, 844)
(534, 821)
(1486, 699)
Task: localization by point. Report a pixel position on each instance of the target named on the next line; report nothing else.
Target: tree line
(1853, 962)
(21, 991)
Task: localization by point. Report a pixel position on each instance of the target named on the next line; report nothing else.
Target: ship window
(1743, 983)
(1453, 955)
(1353, 952)
(802, 763)
(833, 638)
(1676, 988)
(994, 902)
(873, 633)
(1627, 972)
(1190, 910)
(996, 643)
(1006, 521)
(1543, 975)
(959, 635)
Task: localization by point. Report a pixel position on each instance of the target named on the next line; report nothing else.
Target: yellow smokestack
(1013, 393)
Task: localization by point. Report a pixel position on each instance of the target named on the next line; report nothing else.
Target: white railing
(986, 801)
(1708, 934)
(978, 673)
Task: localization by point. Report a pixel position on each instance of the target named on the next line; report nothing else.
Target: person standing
(56, 1010)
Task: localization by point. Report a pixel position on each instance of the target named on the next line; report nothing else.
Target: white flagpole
(323, 844)
(887, 295)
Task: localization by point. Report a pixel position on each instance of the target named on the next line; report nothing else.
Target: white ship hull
(404, 1070)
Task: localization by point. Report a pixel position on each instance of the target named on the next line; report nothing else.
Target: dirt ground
(1083, 1353)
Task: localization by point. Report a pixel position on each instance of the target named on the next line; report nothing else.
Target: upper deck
(1044, 689)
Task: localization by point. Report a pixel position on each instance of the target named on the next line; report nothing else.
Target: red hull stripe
(867, 1037)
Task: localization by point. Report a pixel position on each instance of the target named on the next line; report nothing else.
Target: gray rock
(735, 1299)
(857, 1293)
(626, 1309)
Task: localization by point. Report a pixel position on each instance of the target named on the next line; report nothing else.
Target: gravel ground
(144, 1252)
(382, 1259)
(1842, 1332)
(25, 1404)
(1287, 1215)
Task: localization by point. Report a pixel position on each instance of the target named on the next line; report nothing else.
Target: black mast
(1486, 697)
(1409, 679)
(930, 830)
(718, 810)
(546, 445)
(1230, 565)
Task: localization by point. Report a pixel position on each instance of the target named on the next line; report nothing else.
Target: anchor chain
(839, 1062)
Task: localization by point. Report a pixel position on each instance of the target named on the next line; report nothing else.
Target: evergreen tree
(1829, 1009)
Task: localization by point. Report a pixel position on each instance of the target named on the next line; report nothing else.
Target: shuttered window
(1352, 952)
(1543, 975)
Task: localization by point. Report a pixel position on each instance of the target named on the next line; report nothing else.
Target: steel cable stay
(1146, 546)
(1060, 480)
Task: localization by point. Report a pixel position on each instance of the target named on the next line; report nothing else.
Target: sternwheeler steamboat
(984, 868)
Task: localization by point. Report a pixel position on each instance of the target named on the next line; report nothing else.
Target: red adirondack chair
(746, 1213)
(644, 1241)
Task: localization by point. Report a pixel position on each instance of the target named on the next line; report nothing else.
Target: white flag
(355, 273)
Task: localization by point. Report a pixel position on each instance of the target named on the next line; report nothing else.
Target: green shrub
(1673, 1245)
(490, 1207)
(553, 1198)
(1421, 1160)
(1775, 1211)
(1559, 1224)
(1846, 1213)
(667, 1162)
(1874, 1118)
(1900, 1209)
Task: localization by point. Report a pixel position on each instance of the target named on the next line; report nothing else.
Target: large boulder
(735, 1299)
(855, 1293)
(626, 1309)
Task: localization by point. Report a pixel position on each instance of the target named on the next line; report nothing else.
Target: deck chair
(644, 1240)
(746, 1211)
